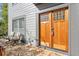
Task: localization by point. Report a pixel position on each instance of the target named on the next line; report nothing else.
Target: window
(18, 25)
(44, 17)
(59, 15)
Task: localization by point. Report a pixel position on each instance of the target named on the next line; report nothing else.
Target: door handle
(52, 31)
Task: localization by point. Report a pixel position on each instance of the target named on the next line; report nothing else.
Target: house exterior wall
(29, 11)
(26, 10)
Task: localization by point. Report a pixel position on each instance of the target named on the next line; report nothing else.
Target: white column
(9, 18)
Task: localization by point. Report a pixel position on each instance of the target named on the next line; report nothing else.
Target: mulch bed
(28, 50)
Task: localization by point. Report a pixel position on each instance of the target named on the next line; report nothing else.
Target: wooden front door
(60, 29)
(45, 29)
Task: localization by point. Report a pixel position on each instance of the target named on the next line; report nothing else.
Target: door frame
(49, 10)
(49, 15)
(64, 8)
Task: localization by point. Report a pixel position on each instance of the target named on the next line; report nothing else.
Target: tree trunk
(2, 51)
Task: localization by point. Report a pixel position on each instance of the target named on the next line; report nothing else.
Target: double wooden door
(54, 29)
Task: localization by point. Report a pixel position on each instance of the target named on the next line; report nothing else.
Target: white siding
(28, 10)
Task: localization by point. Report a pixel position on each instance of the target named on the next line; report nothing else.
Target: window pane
(22, 26)
(14, 25)
(21, 22)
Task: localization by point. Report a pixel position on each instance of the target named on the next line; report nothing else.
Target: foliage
(4, 21)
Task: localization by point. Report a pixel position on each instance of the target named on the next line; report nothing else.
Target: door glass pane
(55, 16)
(44, 17)
(62, 15)
(59, 15)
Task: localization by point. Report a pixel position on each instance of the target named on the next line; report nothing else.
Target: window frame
(18, 20)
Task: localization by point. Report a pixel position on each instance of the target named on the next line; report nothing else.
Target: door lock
(52, 29)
